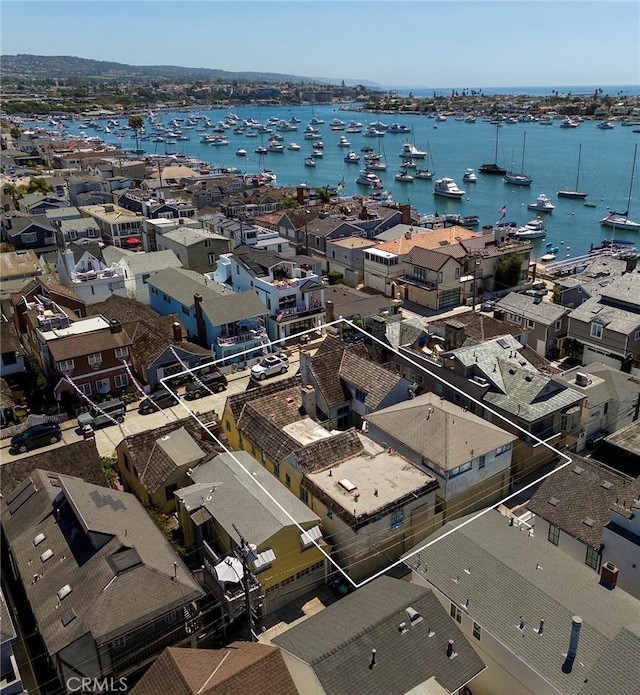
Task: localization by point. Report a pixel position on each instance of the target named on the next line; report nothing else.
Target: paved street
(107, 438)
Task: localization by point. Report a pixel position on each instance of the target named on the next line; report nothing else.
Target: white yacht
(411, 151)
(470, 176)
(542, 204)
(343, 142)
(447, 188)
(293, 146)
(369, 179)
(534, 229)
(352, 158)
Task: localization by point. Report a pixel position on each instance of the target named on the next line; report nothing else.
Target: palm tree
(137, 123)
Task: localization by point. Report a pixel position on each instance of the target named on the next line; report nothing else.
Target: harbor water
(453, 146)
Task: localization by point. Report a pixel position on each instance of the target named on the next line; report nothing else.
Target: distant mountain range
(64, 67)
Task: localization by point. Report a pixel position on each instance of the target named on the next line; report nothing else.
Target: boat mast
(633, 171)
(524, 140)
(578, 172)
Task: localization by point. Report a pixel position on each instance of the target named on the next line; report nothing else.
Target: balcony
(243, 337)
(299, 311)
(412, 280)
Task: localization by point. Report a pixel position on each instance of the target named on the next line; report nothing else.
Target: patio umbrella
(229, 570)
(132, 240)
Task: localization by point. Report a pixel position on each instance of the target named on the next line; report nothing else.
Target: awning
(263, 559)
(307, 537)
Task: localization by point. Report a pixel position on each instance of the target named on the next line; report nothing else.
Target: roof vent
(582, 379)
(553, 501)
(588, 522)
(578, 471)
(402, 628)
(65, 591)
(47, 555)
(606, 485)
(39, 538)
(413, 615)
(347, 485)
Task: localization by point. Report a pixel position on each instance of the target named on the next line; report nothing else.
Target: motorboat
(275, 146)
(605, 125)
(549, 256)
(261, 150)
(343, 142)
(241, 152)
(446, 187)
(318, 152)
(542, 204)
(410, 151)
(309, 162)
(352, 157)
(470, 176)
(293, 146)
(569, 123)
(398, 128)
(319, 145)
(369, 179)
(423, 174)
(469, 221)
(404, 177)
(409, 164)
(378, 165)
(337, 124)
(373, 132)
(534, 229)
(470, 119)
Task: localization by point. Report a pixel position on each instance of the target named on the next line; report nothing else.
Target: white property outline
(423, 546)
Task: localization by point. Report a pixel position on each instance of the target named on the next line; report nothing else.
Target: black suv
(156, 401)
(213, 381)
(36, 436)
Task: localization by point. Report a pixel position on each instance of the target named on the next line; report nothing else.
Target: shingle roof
(86, 344)
(151, 262)
(479, 326)
(532, 308)
(233, 307)
(240, 498)
(126, 582)
(236, 401)
(9, 341)
(328, 452)
(229, 671)
(7, 631)
(337, 642)
(602, 307)
(122, 309)
(582, 492)
(510, 574)
(439, 431)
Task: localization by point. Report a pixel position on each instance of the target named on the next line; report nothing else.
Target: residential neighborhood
(282, 439)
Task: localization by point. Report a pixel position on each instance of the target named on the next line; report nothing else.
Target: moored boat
(446, 187)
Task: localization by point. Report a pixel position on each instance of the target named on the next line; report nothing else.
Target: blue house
(215, 317)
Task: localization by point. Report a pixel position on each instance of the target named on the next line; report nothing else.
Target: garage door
(449, 298)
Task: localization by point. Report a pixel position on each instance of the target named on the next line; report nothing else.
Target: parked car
(156, 401)
(213, 381)
(104, 414)
(488, 305)
(269, 366)
(35, 437)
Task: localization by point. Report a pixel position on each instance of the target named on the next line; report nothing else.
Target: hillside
(25, 66)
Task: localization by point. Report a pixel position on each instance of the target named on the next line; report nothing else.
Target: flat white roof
(95, 323)
(306, 431)
(382, 254)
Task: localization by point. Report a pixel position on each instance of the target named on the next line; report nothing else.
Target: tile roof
(426, 239)
(118, 586)
(327, 452)
(583, 490)
(479, 326)
(337, 642)
(507, 574)
(122, 309)
(373, 379)
(235, 669)
(439, 431)
(239, 498)
(237, 401)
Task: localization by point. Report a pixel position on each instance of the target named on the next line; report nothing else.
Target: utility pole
(244, 552)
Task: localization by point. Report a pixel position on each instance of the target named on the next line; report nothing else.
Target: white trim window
(596, 330)
(95, 359)
(122, 352)
(85, 388)
(121, 381)
(66, 365)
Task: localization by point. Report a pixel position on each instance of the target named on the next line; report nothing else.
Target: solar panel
(503, 343)
(67, 617)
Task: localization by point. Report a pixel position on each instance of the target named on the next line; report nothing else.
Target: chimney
(177, 331)
(576, 626)
(408, 233)
(309, 400)
(454, 334)
(115, 326)
(69, 261)
(364, 215)
(328, 307)
(305, 366)
(405, 213)
(609, 575)
(201, 328)
(300, 195)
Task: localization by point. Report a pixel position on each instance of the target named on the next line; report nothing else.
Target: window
(329, 514)
(9, 358)
(596, 330)
(185, 310)
(120, 642)
(29, 238)
(287, 480)
(276, 470)
(397, 518)
(169, 490)
(457, 273)
(529, 323)
(103, 385)
(502, 449)
(85, 388)
(122, 352)
(304, 496)
(592, 558)
(125, 460)
(558, 324)
(440, 277)
(460, 469)
(121, 381)
(95, 358)
(636, 335)
(554, 534)
(154, 290)
(165, 298)
(456, 613)
(66, 365)
(208, 243)
(211, 258)
(481, 461)
(145, 277)
(227, 424)
(360, 395)
(476, 631)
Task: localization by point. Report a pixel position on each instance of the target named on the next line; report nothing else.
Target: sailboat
(620, 220)
(520, 179)
(493, 168)
(575, 193)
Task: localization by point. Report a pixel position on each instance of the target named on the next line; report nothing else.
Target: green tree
(507, 271)
(324, 194)
(137, 123)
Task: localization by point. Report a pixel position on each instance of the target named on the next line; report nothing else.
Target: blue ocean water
(551, 158)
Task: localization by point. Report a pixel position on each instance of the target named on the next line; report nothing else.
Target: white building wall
(624, 553)
(568, 544)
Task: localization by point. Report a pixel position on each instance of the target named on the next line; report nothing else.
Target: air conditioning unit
(582, 379)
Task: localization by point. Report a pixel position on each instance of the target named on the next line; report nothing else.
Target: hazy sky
(423, 43)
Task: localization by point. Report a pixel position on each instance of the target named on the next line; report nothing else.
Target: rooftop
(532, 308)
(17, 264)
